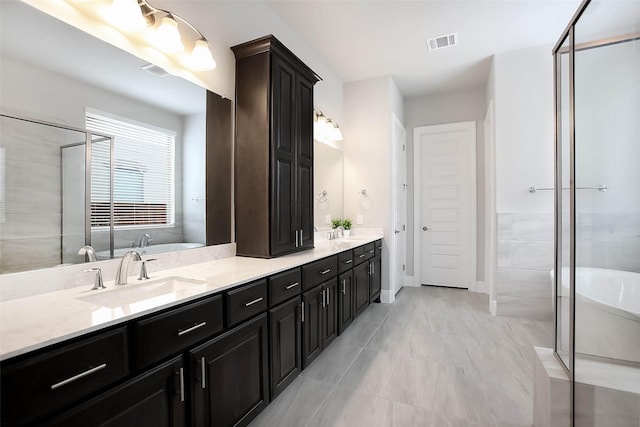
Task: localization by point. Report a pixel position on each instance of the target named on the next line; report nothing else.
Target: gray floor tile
(295, 406)
(346, 408)
(434, 358)
(332, 363)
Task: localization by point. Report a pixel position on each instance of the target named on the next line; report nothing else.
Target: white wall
(368, 105)
(524, 129)
(521, 85)
(469, 105)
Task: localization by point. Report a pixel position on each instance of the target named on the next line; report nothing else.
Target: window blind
(143, 173)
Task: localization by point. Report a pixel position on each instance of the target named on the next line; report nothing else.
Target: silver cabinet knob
(425, 228)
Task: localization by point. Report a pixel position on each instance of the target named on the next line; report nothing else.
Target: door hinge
(403, 267)
(403, 227)
(403, 147)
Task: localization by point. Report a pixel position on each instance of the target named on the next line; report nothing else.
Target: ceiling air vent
(443, 41)
(155, 70)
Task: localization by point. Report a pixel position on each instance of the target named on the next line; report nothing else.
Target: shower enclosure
(596, 277)
(45, 193)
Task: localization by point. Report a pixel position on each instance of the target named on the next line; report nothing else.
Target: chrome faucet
(123, 269)
(333, 234)
(89, 252)
(145, 240)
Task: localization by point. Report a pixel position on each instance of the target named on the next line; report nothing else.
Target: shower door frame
(558, 49)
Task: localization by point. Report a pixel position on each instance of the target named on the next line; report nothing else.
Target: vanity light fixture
(325, 129)
(163, 30)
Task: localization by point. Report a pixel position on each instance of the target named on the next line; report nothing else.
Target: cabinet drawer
(345, 261)
(359, 255)
(319, 271)
(41, 385)
(169, 333)
(378, 244)
(246, 301)
(284, 285)
(369, 250)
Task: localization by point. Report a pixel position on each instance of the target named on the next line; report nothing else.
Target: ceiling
(359, 39)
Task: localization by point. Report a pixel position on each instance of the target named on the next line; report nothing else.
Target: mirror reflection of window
(143, 175)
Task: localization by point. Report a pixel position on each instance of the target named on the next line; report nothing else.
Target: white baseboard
(493, 307)
(481, 287)
(410, 281)
(387, 297)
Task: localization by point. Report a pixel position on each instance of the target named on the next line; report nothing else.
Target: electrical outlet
(327, 219)
(359, 220)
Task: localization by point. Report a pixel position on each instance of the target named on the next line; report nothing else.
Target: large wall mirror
(150, 194)
(328, 177)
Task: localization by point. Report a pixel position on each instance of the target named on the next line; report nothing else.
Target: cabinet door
(345, 300)
(304, 159)
(284, 224)
(330, 315)
(230, 377)
(153, 399)
(285, 335)
(376, 277)
(312, 325)
(361, 288)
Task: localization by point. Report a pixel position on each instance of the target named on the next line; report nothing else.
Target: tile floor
(434, 358)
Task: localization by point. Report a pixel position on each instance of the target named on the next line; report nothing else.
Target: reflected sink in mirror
(141, 295)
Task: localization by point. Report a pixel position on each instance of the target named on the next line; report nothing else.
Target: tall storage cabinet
(274, 150)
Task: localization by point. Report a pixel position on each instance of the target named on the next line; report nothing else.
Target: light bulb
(167, 36)
(201, 59)
(126, 15)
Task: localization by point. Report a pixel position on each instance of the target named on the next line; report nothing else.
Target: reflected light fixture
(163, 31)
(127, 15)
(324, 129)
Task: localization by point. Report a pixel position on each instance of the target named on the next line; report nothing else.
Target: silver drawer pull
(181, 384)
(253, 302)
(203, 368)
(191, 329)
(344, 286)
(328, 270)
(361, 256)
(371, 251)
(349, 261)
(77, 377)
(293, 285)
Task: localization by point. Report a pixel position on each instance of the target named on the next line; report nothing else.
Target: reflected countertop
(34, 322)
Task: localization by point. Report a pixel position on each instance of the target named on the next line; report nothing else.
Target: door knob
(425, 228)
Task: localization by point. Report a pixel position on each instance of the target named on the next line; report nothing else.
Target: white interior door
(399, 136)
(445, 204)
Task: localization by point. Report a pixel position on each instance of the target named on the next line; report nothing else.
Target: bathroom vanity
(208, 344)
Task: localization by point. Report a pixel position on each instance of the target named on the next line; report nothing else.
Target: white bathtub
(607, 312)
(152, 249)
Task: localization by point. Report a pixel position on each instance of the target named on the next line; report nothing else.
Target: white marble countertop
(34, 322)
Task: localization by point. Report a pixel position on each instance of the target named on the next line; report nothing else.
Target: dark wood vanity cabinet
(320, 319)
(45, 384)
(274, 150)
(360, 288)
(345, 300)
(215, 361)
(375, 278)
(285, 339)
(230, 376)
(154, 399)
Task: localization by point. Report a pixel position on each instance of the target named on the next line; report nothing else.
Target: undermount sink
(135, 292)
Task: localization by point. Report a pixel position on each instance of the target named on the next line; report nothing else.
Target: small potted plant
(335, 223)
(346, 224)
